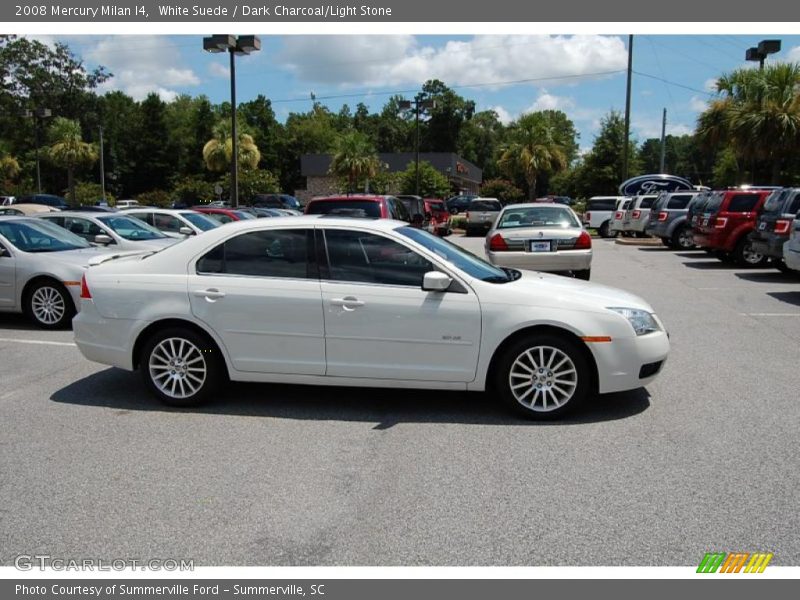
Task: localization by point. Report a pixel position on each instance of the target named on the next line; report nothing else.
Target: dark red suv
(358, 205)
(723, 223)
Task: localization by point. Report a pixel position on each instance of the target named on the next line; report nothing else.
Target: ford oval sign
(652, 184)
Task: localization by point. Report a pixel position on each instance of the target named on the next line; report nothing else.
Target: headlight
(642, 321)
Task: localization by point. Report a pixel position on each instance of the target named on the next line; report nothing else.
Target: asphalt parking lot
(703, 459)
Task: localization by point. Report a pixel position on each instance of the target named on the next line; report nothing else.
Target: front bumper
(563, 260)
(621, 362)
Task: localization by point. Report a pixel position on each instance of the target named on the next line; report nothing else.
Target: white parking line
(37, 342)
(769, 314)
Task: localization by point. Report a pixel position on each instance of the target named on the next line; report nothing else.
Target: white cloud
(648, 127)
(502, 114)
(141, 64)
(698, 104)
(710, 85)
(349, 61)
(217, 69)
(793, 55)
(548, 101)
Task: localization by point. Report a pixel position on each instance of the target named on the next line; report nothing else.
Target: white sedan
(540, 237)
(338, 301)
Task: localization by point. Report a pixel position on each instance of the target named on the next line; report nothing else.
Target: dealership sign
(651, 184)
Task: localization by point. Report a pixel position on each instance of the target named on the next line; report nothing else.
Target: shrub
(251, 183)
(432, 184)
(158, 198)
(193, 190)
(89, 194)
(503, 190)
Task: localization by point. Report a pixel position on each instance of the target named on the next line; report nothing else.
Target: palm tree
(9, 167)
(757, 114)
(69, 151)
(354, 157)
(535, 149)
(218, 151)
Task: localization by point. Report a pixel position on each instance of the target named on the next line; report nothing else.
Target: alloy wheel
(543, 378)
(47, 305)
(177, 368)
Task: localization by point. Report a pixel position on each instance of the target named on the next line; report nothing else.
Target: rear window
(679, 201)
(545, 216)
(712, 203)
(775, 201)
(485, 205)
(437, 206)
(366, 208)
(647, 202)
(626, 205)
(601, 204)
(794, 205)
(742, 202)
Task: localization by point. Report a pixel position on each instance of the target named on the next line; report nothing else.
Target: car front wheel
(542, 377)
(49, 305)
(181, 367)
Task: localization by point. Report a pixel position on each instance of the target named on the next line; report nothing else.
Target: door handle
(209, 294)
(347, 303)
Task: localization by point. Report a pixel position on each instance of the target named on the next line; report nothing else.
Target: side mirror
(436, 281)
(103, 239)
(186, 231)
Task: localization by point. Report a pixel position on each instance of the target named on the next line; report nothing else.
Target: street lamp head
(428, 104)
(766, 47)
(752, 54)
(246, 44)
(219, 43)
(404, 104)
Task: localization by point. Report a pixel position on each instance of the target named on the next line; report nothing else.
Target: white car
(599, 213)
(118, 231)
(41, 266)
(791, 248)
(540, 237)
(353, 302)
(174, 223)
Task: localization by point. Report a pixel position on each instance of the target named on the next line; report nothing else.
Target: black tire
(682, 238)
(204, 354)
(744, 256)
(583, 274)
(469, 231)
(779, 264)
(578, 385)
(667, 242)
(604, 232)
(49, 305)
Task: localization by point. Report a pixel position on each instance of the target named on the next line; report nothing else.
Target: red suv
(223, 215)
(723, 224)
(364, 206)
(440, 216)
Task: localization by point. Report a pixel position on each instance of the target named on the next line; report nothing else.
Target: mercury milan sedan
(356, 302)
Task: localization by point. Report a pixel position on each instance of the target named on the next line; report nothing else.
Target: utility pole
(663, 139)
(627, 110)
(234, 135)
(420, 105)
(102, 166)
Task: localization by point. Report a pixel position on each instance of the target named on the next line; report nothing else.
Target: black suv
(276, 201)
(459, 204)
(774, 224)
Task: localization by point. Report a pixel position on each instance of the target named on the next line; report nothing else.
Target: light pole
(102, 166)
(759, 53)
(38, 115)
(241, 45)
(420, 104)
(627, 111)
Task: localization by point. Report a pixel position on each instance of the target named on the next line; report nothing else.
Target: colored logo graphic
(734, 562)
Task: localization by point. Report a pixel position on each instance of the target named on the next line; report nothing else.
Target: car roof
(327, 220)
(536, 205)
(367, 197)
(169, 211)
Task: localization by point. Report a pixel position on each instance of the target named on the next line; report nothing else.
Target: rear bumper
(658, 229)
(564, 260)
(771, 245)
(105, 341)
(791, 256)
(621, 362)
(706, 239)
(636, 226)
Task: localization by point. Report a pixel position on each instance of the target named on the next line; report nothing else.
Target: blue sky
(581, 75)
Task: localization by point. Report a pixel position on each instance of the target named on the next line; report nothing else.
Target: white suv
(599, 213)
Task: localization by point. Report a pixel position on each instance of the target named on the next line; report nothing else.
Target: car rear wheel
(667, 242)
(542, 376)
(181, 367)
(583, 274)
(49, 305)
(745, 256)
(604, 231)
(682, 238)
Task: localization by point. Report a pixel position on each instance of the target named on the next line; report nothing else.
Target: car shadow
(692, 254)
(18, 322)
(787, 297)
(124, 391)
(709, 265)
(767, 277)
(655, 249)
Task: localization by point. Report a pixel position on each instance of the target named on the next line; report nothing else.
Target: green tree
(479, 140)
(69, 151)
(600, 172)
(153, 150)
(355, 158)
(503, 190)
(259, 120)
(536, 147)
(256, 181)
(9, 169)
(756, 114)
(443, 127)
(218, 151)
(432, 183)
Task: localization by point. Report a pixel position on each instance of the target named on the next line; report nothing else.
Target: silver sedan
(41, 266)
(540, 237)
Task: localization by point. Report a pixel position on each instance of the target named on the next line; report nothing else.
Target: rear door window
(601, 204)
(270, 253)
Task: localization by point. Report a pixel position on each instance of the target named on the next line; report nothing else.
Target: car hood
(547, 290)
(78, 258)
(158, 243)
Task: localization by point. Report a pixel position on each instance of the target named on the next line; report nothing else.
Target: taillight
(636, 214)
(720, 222)
(498, 243)
(85, 293)
(782, 225)
(584, 241)
(618, 216)
(662, 216)
(587, 216)
(466, 214)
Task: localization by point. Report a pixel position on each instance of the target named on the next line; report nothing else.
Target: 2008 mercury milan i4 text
(359, 302)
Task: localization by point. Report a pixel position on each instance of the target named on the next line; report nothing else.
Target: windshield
(244, 215)
(343, 207)
(545, 216)
(40, 236)
(437, 206)
(131, 229)
(458, 257)
(485, 205)
(202, 222)
(775, 201)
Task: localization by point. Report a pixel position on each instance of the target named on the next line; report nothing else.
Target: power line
(673, 83)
